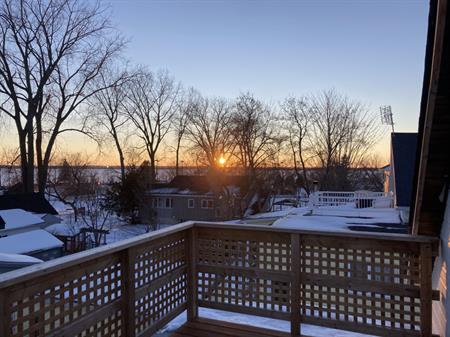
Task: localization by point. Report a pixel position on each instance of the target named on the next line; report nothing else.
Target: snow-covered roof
(339, 218)
(16, 218)
(18, 258)
(28, 242)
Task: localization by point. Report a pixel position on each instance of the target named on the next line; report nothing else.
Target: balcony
(372, 283)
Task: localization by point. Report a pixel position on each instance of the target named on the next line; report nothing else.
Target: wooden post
(3, 316)
(425, 290)
(295, 285)
(128, 294)
(192, 284)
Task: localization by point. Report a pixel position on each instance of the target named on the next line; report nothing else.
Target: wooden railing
(372, 283)
(361, 199)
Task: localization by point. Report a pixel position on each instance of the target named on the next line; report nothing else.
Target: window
(160, 203)
(207, 203)
(169, 203)
(191, 203)
(154, 202)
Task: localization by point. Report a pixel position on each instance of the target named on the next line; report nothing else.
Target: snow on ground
(16, 218)
(29, 242)
(122, 232)
(60, 207)
(269, 323)
(64, 229)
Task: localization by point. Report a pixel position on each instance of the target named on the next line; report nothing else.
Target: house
(430, 208)
(36, 243)
(399, 175)
(14, 221)
(32, 203)
(196, 198)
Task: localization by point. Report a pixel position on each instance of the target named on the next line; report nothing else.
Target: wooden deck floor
(212, 328)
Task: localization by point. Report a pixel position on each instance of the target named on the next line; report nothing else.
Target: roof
(17, 218)
(31, 202)
(17, 259)
(404, 157)
(29, 242)
(432, 168)
(190, 184)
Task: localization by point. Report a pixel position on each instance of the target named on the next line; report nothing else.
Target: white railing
(360, 199)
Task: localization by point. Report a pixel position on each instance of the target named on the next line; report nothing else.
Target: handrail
(30, 272)
(297, 275)
(26, 273)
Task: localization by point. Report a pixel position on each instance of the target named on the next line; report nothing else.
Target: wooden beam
(129, 293)
(295, 285)
(425, 290)
(192, 284)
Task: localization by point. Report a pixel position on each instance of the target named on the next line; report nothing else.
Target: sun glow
(222, 161)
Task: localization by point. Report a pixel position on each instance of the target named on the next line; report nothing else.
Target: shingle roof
(31, 202)
(199, 184)
(404, 157)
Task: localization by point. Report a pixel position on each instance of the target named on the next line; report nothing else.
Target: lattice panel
(388, 266)
(361, 307)
(160, 279)
(244, 291)
(247, 270)
(158, 303)
(353, 282)
(159, 258)
(110, 326)
(54, 302)
(250, 250)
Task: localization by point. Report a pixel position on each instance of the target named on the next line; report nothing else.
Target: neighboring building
(70, 235)
(9, 262)
(36, 243)
(196, 198)
(430, 209)
(33, 203)
(14, 221)
(399, 175)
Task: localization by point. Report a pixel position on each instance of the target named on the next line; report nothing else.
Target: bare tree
(71, 182)
(296, 115)
(96, 217)
(107, 111)
(210, 131)
(343, 133)
(50, 53)
(9, 158)
(187, 104)
(253, 132)
(151, 105)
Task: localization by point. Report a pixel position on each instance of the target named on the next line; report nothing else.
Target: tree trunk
(30, 157)
(177, 156)
(120, 152)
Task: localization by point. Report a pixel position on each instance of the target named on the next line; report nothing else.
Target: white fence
(360, 199)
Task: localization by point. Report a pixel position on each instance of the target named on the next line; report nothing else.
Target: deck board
(204, 327)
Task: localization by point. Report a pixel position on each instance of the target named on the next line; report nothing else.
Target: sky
(372, 51)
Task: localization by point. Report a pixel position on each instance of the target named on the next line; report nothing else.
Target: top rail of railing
(30, 272)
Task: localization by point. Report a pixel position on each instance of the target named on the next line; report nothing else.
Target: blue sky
(369, 50)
